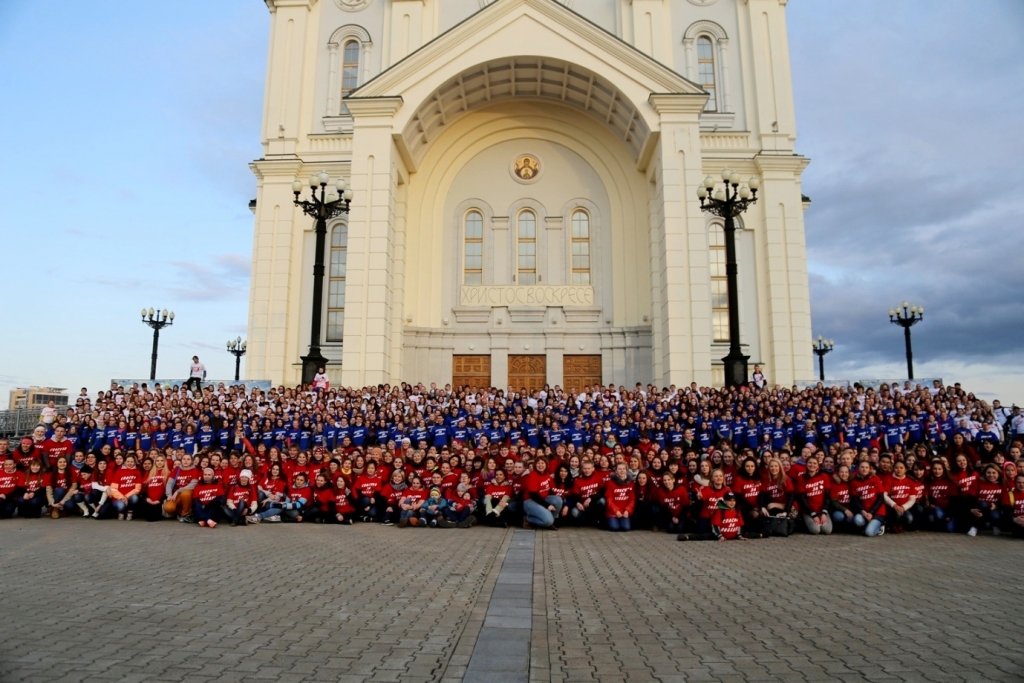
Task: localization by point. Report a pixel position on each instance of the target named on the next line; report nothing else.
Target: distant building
(37, 397)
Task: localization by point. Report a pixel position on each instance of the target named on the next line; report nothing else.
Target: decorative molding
(353, 5)
(526, 295)
(349, 31)
(705, 26)
(703, 3)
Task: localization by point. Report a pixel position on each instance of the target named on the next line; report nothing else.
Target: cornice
(363, 107)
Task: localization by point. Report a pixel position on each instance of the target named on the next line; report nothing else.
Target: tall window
(336, 284)
(473, 266)
(526, 266)
(706, 70)
(719, 284)
(580, 247)
(349, 69)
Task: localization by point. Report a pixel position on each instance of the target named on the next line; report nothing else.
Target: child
(726, 523)
(434, 507)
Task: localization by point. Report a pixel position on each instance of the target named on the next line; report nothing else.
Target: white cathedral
(524, 177)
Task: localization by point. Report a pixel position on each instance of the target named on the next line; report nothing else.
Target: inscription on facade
(527, 295)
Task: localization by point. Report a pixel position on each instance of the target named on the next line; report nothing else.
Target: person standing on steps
(196, 375)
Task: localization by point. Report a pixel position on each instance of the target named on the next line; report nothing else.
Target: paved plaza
(108, 601)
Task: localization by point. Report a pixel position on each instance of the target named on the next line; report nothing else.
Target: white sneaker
(120, 517)
(972, 531)
(881, 530)
(273, 518)
(252, 519)
(128, 517)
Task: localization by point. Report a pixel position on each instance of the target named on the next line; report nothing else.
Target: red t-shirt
(496, 492)
(839, 491)
(205, 493)
(902, 490)
(750, 489)
(709, 500)
(368, 485)
(536, 483)
(968, 483)
(867, 491)
(9, 482)
(619, 498)
(155, 485)
(990, 493)
(587, 487)
(183, 478)
(676, 500)
(941, 490)
(814, 489)
(54, 449)
(61, 480)
(729, 522)
(243, 496)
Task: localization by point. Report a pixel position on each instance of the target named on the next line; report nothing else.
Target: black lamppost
(729, 203)
(322, 207)
(236, 347)
(907, 316)
(158, 320)
(821, 347)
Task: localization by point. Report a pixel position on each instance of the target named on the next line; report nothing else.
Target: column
(368, 291)
(784, 255)
(685, 312)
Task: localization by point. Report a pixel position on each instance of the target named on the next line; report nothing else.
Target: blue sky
(127, 130)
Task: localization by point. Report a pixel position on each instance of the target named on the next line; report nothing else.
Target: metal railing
(19, 422)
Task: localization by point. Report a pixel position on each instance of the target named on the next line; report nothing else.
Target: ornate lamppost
(236, 347)
(322, 207)
(821, 347)
(158, 320)
(906, 316)
(728, 203)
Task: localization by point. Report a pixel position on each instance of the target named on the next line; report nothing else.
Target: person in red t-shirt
(673, 502)
(242, 499)
(840, 502)
(868, 497)
(124, 489)
(497, 494)
(540, 508)
(726, 522)
(812, 487)
(984, 508)
(33, 496)
(709, 496)
(207, 498)
(366, 492)
(620, 499)
(942, 491)
(10, 488)
(1015, 510)
(391, 495)
(900, 497)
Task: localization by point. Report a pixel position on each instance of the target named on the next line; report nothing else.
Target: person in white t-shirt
(320, 381)
(196, 375)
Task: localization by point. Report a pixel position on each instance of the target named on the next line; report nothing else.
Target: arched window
(349, 69)
(706, 70)
(719, 284)
(580, 247)
(526, 233)
(336, 284)
(473, 264)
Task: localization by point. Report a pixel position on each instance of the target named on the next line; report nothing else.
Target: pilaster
(371, 246)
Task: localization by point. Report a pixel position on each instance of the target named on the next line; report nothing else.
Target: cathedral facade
(525, 177)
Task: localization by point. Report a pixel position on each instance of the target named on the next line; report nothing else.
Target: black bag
(779, 526)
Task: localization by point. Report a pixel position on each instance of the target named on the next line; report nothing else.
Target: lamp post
(821, 347)
(236, 347)
(906, 316)
(728, 203)
(322, 207)
(158, 320)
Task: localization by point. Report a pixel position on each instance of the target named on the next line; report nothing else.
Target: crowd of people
(699, 463)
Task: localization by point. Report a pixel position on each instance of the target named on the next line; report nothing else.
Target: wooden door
(529, 372)
(473, 371)
(580, 371)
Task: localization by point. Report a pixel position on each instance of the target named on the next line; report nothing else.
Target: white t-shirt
(197, 370)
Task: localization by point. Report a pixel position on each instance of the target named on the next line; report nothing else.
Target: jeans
(7, 507)
(126, 505)
(236, 516)
(408, 514)
(871, 528)
(58, 496)
(369, 507)
(32, 506)
(205, 512)
(815, 528)
(538, 515)
(459, 516)
(270, 510)
(618, 524)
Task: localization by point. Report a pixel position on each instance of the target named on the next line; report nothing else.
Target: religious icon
(526, 167)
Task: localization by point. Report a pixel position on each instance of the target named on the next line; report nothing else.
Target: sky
(127, 129)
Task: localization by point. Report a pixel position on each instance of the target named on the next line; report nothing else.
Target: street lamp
(236, 347)
(327, 205)
(729, 203)
(821, 347)
(158, 320)
(906, 316)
